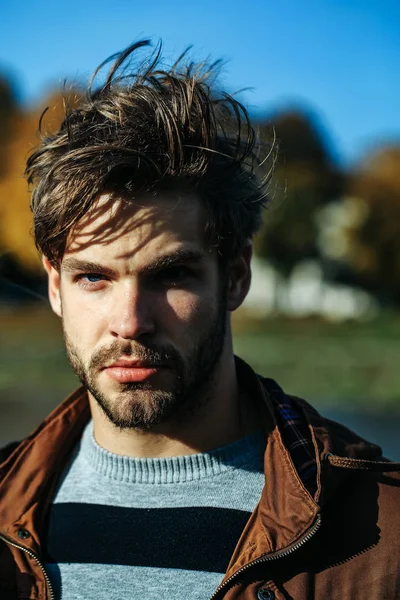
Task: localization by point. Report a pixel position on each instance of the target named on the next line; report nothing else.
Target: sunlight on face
(143, 307)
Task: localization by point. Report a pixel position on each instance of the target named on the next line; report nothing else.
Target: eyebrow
(73, 265)
(184, 255)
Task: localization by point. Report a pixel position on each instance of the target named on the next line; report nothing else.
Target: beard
(140, 405)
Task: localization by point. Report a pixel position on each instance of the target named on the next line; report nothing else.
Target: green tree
(305, 179)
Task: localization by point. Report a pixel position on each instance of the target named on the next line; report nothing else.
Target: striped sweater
(131, 528)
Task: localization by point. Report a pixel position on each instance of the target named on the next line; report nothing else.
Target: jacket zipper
(33, 555)
(274, 555)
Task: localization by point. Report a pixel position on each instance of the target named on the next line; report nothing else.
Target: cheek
(190, 308)
(83, 319)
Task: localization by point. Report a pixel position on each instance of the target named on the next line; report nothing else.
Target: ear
(53, 286)
(239, 277)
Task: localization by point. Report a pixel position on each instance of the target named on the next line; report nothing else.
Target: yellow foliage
(15, 214)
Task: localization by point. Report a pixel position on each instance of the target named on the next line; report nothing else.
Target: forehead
(121, 227)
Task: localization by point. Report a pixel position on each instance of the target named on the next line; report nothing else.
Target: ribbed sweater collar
(246, 453)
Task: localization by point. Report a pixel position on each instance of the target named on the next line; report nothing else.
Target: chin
(139, 409)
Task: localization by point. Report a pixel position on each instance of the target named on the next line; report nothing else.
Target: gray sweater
(128, 528)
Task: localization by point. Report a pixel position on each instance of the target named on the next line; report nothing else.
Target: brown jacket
(341, 543)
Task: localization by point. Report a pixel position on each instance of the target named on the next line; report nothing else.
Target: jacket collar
(287, 509)
(29, 475)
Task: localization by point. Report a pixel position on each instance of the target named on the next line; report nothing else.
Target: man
(175, 471)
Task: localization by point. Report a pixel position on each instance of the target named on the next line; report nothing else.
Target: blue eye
(90, 281)
(92, 277)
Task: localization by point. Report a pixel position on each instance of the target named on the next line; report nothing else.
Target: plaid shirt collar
(295, 433)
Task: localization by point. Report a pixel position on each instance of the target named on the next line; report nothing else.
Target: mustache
(156, 355)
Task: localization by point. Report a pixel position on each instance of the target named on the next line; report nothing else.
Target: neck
(222, 418)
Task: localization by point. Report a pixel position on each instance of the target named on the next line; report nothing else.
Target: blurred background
(322, 316)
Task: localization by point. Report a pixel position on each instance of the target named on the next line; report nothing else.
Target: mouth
(129, 371)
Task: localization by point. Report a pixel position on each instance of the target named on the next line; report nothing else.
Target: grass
(32, 356)
(348, 365)
(345, 365)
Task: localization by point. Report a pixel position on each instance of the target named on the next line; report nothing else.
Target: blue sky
(340, 58)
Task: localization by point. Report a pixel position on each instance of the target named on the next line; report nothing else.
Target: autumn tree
(17, 245)
(374, 246)
(8, 113)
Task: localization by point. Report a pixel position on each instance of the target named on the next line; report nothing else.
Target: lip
(133, 364)
(130, 371)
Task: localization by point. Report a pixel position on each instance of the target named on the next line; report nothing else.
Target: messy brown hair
(147, 129)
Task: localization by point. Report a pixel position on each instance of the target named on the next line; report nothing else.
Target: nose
(131, 313)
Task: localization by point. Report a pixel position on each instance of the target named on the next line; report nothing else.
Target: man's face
(143, 307)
